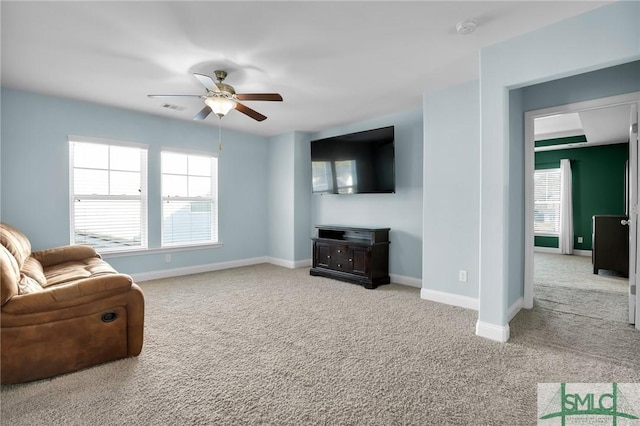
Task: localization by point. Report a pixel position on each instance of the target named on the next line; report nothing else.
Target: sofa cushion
(33, 269)
(57, 255)
(16, 242)
(73, 271)
(28, 285)
(60, 297)
(9, 275)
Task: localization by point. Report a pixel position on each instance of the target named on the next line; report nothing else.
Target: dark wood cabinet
(357, 255)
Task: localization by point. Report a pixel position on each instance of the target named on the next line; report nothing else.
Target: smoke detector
(466, 27)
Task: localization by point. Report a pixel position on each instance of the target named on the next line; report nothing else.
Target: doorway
(629, 103)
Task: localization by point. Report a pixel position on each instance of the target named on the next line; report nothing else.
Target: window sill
(168, 249)
(547, 235)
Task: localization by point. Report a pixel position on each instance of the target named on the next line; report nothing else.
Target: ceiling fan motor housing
(225, 88)
(220, 74)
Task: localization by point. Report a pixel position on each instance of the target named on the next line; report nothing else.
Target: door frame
(529, 168)
(632, 213)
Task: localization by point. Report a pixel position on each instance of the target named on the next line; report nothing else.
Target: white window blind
(547, 202)
(322, 176)
(109, 195)
(346, 176)
(189, 199)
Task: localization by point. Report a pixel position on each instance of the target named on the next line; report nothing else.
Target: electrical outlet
(580, 240)
(462, 276)
(167, 258)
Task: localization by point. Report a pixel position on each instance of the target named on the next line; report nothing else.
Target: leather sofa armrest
(62, 254)
(72, 294)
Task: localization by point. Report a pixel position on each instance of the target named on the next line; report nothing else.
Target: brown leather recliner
(63, 309)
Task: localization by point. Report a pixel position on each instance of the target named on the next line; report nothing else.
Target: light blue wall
(611, 81)
(604, 37)
(402, 211)
(451, 219)
(289, 198)
(281, 196)
(302, 192)
(515, 215)
(35, 174)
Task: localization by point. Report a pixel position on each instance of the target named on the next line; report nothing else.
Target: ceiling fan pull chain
(219, 134)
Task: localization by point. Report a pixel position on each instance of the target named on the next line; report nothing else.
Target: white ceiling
(333, 62)
(600, 126)
(606, 125)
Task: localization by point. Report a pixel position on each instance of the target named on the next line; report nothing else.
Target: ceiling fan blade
(251, 113)
(259, 96)
(207, 82)
(174, 96)
(204, 112)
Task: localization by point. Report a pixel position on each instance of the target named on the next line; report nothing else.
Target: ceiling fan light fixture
(220, 105)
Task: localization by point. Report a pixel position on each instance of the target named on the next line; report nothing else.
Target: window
(346, 176)
(189, 199)
(322, 176)
(108, 182)
(546, 214)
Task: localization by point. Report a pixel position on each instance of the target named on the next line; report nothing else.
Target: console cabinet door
(322, 255)
(361, 260)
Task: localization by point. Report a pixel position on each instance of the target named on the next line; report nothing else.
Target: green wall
(561, 141)
(598, 186)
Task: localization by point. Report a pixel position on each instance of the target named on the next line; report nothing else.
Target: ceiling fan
(222, 98)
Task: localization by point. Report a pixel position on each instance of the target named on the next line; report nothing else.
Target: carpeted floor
(578, 311)
(567, 284)
(269, 345)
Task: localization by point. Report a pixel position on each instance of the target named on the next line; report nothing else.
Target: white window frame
(346, 189)
(213, 199)
(547, 233)
(143, 197)
(322, 170)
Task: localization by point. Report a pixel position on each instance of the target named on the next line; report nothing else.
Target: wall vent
(174, 107)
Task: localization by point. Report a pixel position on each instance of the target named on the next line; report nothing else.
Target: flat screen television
(356, 163)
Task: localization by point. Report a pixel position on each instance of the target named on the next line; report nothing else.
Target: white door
(634, 194)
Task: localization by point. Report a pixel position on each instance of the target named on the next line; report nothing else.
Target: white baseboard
(515, 308)
(449, 298)
(197, 269)
(291, 264)
(303, 263)
(404, 280)
(555, 250)
(166, 273)
(492, 331)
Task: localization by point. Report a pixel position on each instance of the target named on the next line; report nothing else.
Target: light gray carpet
(269, 345)
(575, 272)
(567, 284)
(578, 311)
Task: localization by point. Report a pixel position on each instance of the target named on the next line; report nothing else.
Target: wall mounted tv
(356, 163)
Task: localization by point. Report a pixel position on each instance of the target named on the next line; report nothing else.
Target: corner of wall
(492, 331)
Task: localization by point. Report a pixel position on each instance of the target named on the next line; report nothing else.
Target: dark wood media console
(356, 255)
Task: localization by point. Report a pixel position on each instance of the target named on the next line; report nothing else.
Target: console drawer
(341, 252)
(344, 265)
